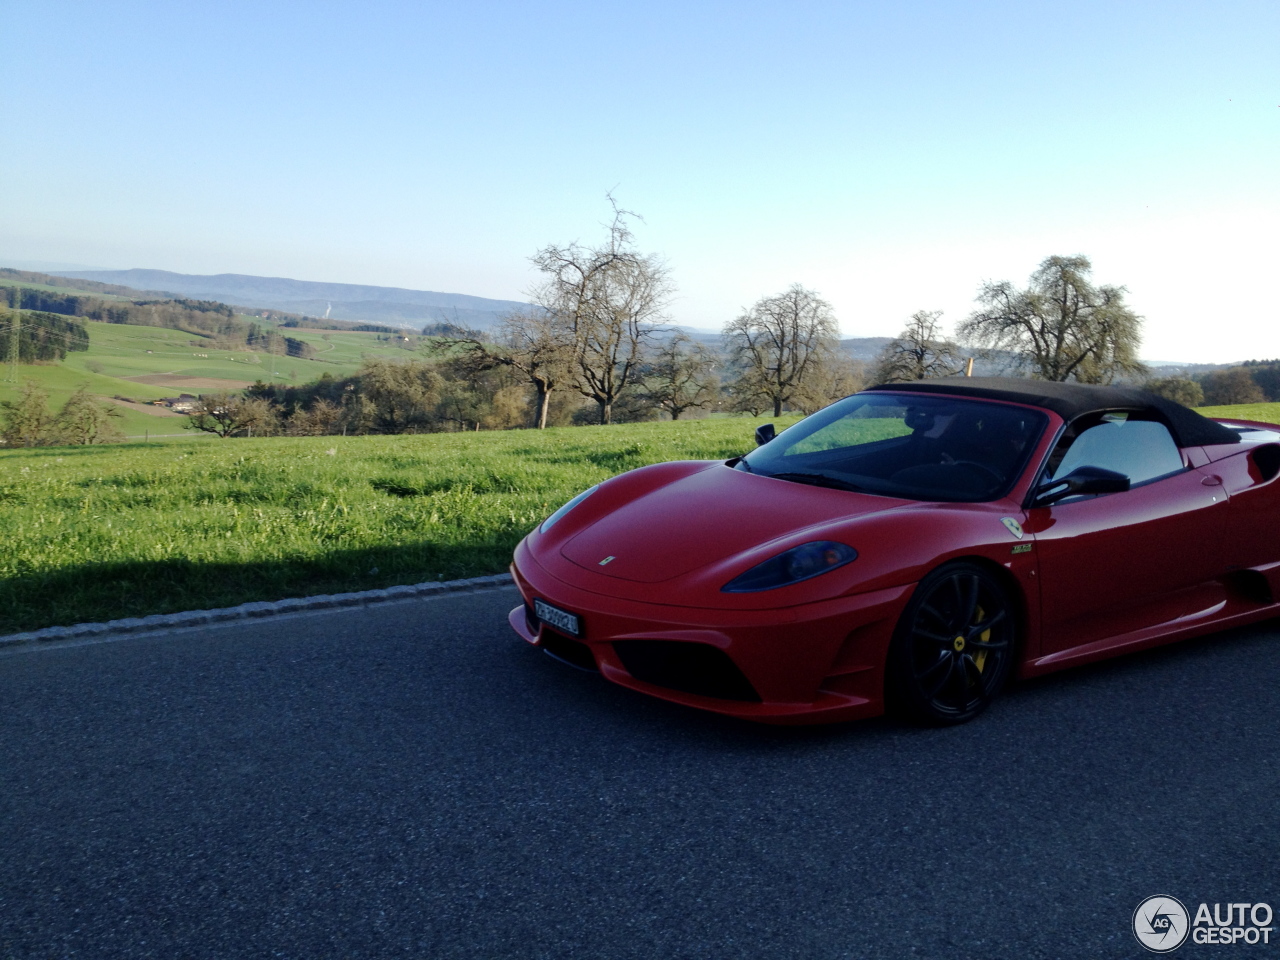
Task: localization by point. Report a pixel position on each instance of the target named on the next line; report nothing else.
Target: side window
(1140, 449)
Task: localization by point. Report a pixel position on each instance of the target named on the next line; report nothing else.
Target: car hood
(704, 517)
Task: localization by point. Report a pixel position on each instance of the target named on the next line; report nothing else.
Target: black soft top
(1071, 400)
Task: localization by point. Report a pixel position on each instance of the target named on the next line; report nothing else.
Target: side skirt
(1220, 616)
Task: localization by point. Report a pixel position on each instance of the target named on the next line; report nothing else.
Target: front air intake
(696, 668)
(573, 652)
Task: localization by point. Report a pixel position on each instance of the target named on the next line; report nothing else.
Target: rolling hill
(147, 363)
(131, 365)
(394, 306)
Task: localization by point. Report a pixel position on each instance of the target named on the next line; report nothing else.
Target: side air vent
(696, 668)
(1267, 459)
(1251, 585)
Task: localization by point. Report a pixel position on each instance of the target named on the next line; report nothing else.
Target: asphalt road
(410, 780)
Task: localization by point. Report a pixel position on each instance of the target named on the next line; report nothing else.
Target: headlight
(548, 523)
(798, 563)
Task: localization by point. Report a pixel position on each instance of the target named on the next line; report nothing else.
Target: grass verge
(96, 533)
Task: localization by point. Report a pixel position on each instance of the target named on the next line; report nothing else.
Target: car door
(1113, 563)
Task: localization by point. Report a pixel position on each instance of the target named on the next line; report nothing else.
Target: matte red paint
(1102, 576)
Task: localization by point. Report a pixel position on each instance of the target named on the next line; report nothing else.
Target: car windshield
(906, 445)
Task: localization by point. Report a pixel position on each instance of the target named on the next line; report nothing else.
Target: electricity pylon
(14, 326)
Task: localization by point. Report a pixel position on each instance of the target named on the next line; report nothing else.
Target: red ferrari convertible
(913, 546)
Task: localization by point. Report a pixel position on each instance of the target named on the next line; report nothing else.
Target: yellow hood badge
(1013, 526)
(606, 560)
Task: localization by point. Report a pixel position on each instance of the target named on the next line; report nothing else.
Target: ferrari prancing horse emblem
(606, 560)
(1014, 526)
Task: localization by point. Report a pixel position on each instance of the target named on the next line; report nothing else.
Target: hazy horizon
(80, 269)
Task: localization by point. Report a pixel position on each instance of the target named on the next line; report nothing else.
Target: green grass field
(95, 533)
(1266, 412)
(147, 363)
(126, 351)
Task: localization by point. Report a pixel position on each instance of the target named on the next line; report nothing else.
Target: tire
(954, 647)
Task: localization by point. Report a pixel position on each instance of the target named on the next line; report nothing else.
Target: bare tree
(530, 342)
(538, 350)
(918, 352)
(681, 376)
(780, 342)
(227, 414)
(746, 395)
(85, 420)
(835, 378)
(322, 417)
(606, 302)
(400, 396)
(26, 420)
(1061, 327)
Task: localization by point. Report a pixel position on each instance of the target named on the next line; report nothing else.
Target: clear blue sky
(890, 155)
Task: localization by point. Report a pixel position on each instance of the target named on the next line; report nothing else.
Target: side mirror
(765, 433)
(1080, 481)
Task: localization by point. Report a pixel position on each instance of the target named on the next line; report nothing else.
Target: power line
(65, 335)
(14, 328)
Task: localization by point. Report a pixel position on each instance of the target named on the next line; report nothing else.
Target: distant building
(183, 404)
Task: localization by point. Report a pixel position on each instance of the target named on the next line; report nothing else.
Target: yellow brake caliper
(980, 657)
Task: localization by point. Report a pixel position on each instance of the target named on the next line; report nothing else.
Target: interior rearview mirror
(765, 433)
(1082, 480)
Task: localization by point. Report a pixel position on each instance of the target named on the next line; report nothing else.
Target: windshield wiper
(739, 462)
(817, 480)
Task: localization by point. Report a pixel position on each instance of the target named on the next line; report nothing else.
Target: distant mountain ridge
(396, 306)
(77, 283)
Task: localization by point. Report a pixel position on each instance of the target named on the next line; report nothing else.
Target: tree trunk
(606, 412)
(777, 407)
(543, 402)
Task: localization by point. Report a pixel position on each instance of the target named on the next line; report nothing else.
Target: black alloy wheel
(954, 646)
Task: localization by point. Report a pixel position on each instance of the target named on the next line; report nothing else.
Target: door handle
(1212, 480)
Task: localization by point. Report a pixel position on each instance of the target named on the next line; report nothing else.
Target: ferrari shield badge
(1013, 526)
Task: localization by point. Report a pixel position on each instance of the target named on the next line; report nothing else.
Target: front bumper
(814, 663)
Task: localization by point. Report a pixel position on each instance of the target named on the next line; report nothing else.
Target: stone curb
(192, 618)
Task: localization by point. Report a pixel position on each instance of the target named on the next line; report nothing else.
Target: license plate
(560, 619)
